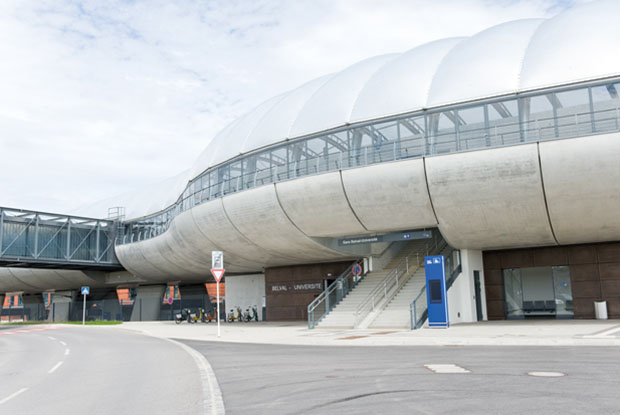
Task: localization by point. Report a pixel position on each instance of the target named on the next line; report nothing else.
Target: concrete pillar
(148, 303)
(462, 294)
(245, 291)
(61, 305)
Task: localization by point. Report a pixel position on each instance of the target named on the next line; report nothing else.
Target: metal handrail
(395, 279)
(324, 297)
(416, 322)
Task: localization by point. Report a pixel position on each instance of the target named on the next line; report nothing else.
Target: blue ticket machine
(436, 292)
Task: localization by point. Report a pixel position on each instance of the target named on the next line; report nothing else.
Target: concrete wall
(245, 291)
(148, 303)
(462, 295)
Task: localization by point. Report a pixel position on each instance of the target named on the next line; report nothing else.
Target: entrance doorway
(478, 295)
(538, 292)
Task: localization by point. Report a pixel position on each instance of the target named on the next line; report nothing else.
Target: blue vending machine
(436, 292)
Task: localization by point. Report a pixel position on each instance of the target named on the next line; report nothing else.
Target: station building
(500, 151)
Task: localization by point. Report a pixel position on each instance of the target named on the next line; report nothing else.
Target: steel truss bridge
(48, 240)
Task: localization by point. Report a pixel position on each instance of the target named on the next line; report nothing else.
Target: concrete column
(148, 303)
(245, 291)
(61, 305)
(462, 295)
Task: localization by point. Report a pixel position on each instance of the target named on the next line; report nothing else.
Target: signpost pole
(84, 311)
(217, 269)
(85, 291)
(218, 308)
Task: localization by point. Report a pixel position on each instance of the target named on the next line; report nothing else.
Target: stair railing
(396, 279)
(332, 295)
(418, 309)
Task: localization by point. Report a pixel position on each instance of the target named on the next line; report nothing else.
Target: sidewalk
(487, 333)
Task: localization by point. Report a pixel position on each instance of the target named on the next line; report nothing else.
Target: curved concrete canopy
(490, 198)
(391, 196)
(318, 206)
(582, 184)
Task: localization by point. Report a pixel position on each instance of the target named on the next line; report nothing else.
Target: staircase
(396, 313)
(344, 314)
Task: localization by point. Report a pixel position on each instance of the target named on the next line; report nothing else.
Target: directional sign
(85, 290)
(218, 273)
(217, 259)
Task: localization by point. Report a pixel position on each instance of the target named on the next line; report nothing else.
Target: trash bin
(600, 310)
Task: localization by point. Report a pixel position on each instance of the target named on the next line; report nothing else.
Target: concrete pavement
(488, 333)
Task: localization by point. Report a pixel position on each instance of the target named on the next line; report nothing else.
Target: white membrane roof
(576, 45)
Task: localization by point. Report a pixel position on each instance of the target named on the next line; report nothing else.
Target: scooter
(246, 315)
(185, 315)
(254, 314)
(235, 315)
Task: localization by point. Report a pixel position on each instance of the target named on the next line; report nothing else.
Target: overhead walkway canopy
(47, 240)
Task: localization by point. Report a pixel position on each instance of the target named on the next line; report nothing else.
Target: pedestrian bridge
(47, 240)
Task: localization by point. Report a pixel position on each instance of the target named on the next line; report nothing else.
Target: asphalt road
(95, 370)
(274, 379)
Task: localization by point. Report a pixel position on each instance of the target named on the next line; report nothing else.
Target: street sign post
(217, 269)
(85, 291)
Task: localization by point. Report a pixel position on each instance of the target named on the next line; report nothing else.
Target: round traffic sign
(357, 270)
(170, 300)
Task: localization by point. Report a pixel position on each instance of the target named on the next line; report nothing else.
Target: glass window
(412, 137)
(573, 112)
(472, 129)
(442, 132)
(606, 103)
(537, 117)
(504, 122)
(513, 294)
(563, 292)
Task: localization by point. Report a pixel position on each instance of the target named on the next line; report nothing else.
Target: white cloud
(99, 98)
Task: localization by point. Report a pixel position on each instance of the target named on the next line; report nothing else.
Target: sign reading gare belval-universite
(299, 287)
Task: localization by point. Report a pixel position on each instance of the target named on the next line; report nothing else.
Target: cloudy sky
(99, 98)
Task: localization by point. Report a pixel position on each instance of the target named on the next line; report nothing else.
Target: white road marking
(546, 374)
(8, 398)
(67, 351)
(607, 334)
(63, 343)
(213, 401)
(450, 368)
(51, 338)
(52, 370)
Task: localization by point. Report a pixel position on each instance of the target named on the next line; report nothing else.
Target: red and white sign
(218, 273)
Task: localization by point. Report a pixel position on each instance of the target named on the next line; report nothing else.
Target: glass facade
(538, 292)
(556, 113)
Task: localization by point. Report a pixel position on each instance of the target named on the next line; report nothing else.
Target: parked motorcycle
(185, 315)
(235, 315)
